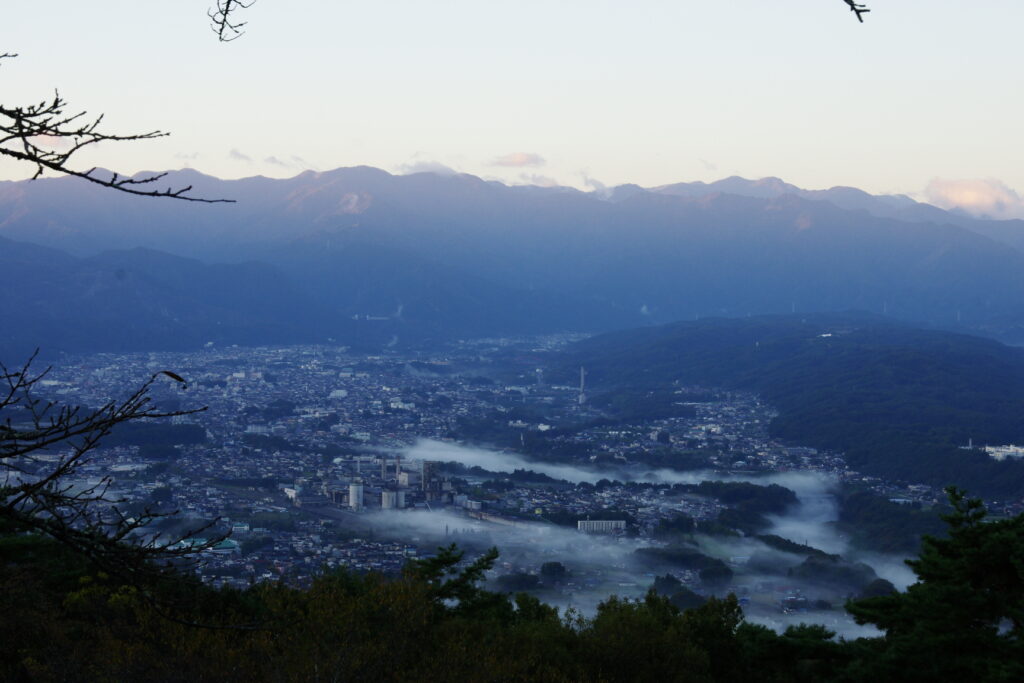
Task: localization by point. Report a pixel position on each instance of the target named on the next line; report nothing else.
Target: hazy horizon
(578, 94)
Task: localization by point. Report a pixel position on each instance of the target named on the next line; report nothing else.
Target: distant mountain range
(897, 207)
(358, 255)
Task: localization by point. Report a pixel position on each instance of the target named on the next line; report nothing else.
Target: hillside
(898, 400)
(143, 299)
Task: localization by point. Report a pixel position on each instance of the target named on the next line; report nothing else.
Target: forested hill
(898, 400)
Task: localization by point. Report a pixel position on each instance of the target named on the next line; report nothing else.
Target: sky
(924, 98)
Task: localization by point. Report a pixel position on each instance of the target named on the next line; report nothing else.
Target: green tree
(964, 618)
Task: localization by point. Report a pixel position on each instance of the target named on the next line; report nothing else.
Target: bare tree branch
(44, 496)
(223, 24)
(222, 19)
(44, 135)
(858, 9)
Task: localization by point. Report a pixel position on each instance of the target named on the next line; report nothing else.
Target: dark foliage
(59, 620)
(680, 557)
(853, 577)
(876, 589)
(668, 529)
(786, 545)
(516, 583)
(875, 523)
(772, 499)
(965, 616)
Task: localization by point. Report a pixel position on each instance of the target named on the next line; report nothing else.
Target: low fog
(497, 461)
(600, 566)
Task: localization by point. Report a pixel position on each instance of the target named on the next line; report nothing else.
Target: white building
(601, 526)
(1004, 452)
(355, 496)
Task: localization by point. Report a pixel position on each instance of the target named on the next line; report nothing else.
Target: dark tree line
(60, 620)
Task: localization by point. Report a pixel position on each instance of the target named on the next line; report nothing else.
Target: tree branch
(221, 18)
(86, 519)
(45, 136)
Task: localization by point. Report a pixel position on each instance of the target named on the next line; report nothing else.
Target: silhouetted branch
(46, 496)
(45, 136)
(222, 16)
(857, 9)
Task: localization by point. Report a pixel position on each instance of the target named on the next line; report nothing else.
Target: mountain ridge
(460, 255)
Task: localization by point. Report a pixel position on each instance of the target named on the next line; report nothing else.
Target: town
(310, 458)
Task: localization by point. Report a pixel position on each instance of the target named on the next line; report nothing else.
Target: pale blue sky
(646, 91)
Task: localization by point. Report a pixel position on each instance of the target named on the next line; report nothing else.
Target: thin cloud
(292, 162)
(236, 155)
(435, 167)
(982, 198)
(52, 142)
(595, 185)
(708, 166)
(538, 180)
(519, 160)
